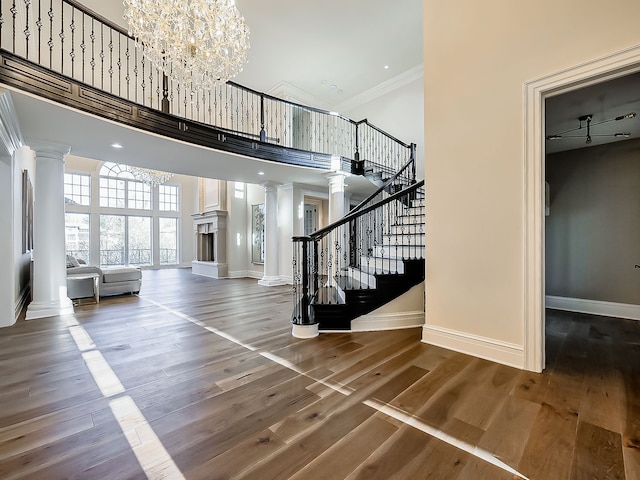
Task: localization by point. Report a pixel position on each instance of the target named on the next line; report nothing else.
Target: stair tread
(350, 283)
(328, 296)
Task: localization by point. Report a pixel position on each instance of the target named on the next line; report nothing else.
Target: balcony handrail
(383, 132)
(289, 102)
(389, 182)
(76, 42)
(86, 10)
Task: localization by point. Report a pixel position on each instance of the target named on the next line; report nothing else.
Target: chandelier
(153, 178)
(198, 43)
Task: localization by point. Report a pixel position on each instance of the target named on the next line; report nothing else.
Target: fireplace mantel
(210, 233)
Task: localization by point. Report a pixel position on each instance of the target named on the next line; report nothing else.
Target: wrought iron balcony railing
(65, 37)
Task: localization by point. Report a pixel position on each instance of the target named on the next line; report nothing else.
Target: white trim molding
(534, 93)
(594, 307)
(383, 88)
(482, 347)
(10, 133)
(387, 321)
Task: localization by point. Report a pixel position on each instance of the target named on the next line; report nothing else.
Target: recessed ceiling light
(386, 67)
(333, 87)
(260, 173)
(116, 145)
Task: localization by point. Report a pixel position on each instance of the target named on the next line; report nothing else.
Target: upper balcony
(63, 52)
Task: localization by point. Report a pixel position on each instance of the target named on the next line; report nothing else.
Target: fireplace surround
(210, 230)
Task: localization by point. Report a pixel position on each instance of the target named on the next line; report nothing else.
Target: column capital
(270, 185)
(336, 181)
(54, 151)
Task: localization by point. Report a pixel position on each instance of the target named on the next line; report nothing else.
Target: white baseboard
(482, 347)
(245, 274)
(594, 307)
(23, 301)
(387, 321)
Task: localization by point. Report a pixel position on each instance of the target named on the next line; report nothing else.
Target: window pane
(238, 188)
(76, 189)
(112, 193)
(168, 241)
(77, 235)
(112, 240)
(139, 240)
(139, 195)
(168, 198)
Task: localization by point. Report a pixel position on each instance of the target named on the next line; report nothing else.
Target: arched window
(120, 189)
(139, 224)
(111, 169)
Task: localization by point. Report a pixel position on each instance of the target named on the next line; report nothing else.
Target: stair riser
(362, 277)
(375, 265)
(406, 228)
(405, 251)
(415, 211)
(410, 220)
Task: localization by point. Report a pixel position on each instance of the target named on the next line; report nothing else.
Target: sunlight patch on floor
(418, 424)
(386, 409)
(153, 458)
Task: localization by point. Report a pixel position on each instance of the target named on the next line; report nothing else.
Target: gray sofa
(111, 280)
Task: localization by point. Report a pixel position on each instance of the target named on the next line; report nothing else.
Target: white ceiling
(303, 45)
(314, 45)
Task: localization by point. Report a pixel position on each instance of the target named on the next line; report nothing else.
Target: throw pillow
(72, 262)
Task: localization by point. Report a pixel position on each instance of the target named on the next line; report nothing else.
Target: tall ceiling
(332, 51)
(329, 53)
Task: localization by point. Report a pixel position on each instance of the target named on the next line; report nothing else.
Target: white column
(337, 200)
(49, 282)
(271, 258)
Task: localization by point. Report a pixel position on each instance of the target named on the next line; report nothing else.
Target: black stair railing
(404, 177)
(68, 38)
(374, 239)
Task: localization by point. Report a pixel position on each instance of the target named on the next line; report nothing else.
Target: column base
(49, 309)
(305, 331)
(271, 282)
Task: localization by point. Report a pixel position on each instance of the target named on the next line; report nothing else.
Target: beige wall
(401, 114)
(593, 231)
(477, 58)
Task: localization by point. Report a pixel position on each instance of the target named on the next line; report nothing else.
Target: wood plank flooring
(200, 379)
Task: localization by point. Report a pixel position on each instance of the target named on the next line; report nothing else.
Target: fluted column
(337, 203)
(271, 258)
(49, 282)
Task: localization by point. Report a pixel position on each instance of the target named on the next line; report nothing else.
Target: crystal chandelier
(153, 178)
(198, 43)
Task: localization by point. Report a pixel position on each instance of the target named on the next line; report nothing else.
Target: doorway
(536, 92)
(315, 215)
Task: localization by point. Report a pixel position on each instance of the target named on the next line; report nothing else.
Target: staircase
(388, 271)
(363, 261)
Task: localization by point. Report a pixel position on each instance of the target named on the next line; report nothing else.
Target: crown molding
(382, 89)
(10, 134)
(286, 91)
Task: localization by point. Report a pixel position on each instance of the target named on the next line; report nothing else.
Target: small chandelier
(198, 43)
(153, 178)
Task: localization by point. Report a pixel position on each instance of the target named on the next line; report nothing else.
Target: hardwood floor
(200, 379)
